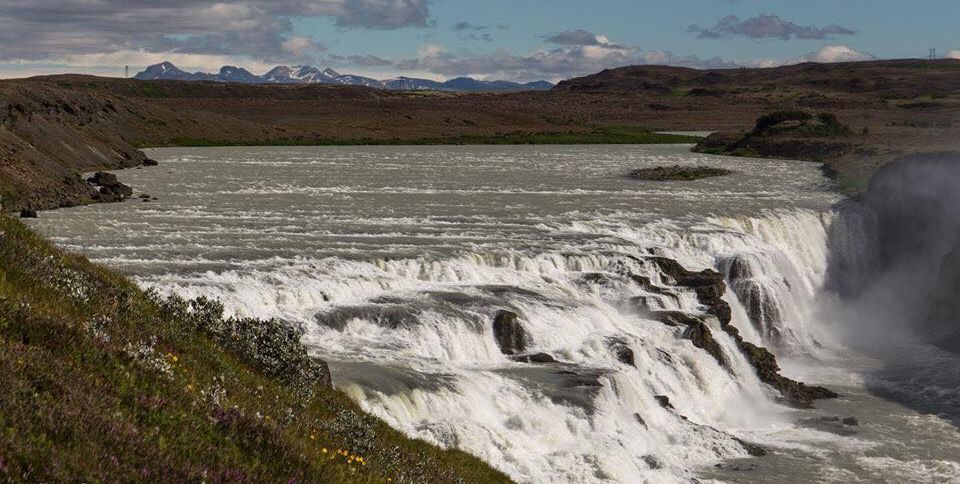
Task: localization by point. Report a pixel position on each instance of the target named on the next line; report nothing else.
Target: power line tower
(933, 54)
(126, 71)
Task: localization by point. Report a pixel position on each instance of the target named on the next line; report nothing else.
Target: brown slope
(50, 134)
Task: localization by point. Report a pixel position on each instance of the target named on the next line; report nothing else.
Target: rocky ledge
(709, 286)
(795, 135)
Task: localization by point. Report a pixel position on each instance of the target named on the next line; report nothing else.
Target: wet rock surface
(535, 358)
(664, 401)
(795, 393)
(710, 287)
(509, 333)
(678, 173)
(622, 352)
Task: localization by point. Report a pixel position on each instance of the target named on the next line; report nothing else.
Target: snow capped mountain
(359, 81)
(237, 74)
(413, 84)
(279, 75)
(168, 71)
(312, 75)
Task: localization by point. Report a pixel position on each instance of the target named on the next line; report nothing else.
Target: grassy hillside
(607, 135)
(102, 382)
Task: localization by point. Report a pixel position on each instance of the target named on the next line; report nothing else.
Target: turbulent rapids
(530, 305)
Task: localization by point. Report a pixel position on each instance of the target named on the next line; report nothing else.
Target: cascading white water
(398, 277)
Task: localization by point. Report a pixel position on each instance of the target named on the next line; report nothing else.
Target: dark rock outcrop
(652, 461)
(696, 331)
(535, 358)
(851, 422)
(27, 213)
(700, 335)
(672, 318)
(795, 393)
(677, 173)
(110, 189)
(509, 333)
(796, 135)
(751, 448)
(150, 162)
(640, 419)
(664, 401)
(709, 286)
(622, 352)
(762, 307)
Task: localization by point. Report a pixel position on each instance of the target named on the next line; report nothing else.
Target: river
(396, 260)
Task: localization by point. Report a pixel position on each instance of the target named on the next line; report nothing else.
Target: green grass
(102, 382)
(609, 135)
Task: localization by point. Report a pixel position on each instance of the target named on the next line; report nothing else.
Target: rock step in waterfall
(709, 287)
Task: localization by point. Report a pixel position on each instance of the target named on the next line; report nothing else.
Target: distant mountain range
(312, 75)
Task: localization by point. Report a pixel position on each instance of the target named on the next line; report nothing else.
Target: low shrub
(271, 346)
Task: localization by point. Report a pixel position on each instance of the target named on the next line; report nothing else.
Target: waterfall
(529, 305)
(627, 398)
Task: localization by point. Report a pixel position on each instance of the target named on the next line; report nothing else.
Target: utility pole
(126, 71)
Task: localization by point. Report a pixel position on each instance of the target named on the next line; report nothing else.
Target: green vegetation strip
(103, 382)
(598, 136)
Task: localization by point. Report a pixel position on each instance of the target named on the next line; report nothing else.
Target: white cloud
(573, 53)
(837, 53)
(260, 29)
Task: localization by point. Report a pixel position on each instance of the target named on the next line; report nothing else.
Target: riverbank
(103, 381)
(623, 135)
(52, 128)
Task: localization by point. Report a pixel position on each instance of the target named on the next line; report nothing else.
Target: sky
(520, 40)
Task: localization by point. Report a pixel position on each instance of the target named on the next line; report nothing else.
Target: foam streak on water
(397, 259)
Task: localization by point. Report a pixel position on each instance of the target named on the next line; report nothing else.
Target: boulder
(102, 178)
(111, 190)
(622, 352)
(652, 461)
(509, 333)
(640, 419)
(27, 213)
(150, 162)
(535, 358)
(851, 422)
(751, 448)
(664, 401)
